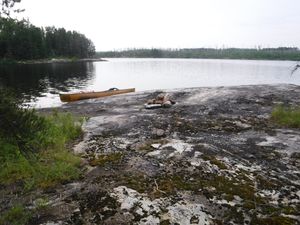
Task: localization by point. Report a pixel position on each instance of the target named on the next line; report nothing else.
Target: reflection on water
(39, 84)
(148, 74)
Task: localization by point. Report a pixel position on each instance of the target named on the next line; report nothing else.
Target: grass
(52, 164)
(34, 154)
(17, 215)
(286, 116)
(102, 160)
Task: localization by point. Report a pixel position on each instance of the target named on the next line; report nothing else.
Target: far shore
(63, 60)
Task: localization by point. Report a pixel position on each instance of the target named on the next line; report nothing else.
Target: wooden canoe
(87, 95)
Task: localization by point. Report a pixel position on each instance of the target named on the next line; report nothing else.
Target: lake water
(40, 84)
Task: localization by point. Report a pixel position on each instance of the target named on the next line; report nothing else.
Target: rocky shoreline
(214, 157)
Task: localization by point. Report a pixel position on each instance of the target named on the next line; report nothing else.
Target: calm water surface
(39, 85)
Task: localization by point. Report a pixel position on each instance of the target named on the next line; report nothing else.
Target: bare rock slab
(214, 157)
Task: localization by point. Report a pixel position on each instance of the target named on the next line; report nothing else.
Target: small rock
(53, 223)
(159, 102)
(160, 97)
(158, 132)
(156, 146)
(167, 104)
(162, 100)
(194, 220)
(151, 101)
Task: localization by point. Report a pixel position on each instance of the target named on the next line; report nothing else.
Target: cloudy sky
(120, 24)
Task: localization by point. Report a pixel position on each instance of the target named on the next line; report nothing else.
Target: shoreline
(48, 61)
(54, 60)
(280, 53)
(214, 157)
(250, 59)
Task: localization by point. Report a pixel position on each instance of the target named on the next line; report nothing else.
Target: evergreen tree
(23, 41)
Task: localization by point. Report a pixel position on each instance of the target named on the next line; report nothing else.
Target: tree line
(281, 53)
(21, 40)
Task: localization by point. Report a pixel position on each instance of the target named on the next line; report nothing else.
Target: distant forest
(20, 40)
(282, 53)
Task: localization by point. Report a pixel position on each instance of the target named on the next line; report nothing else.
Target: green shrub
(286, 116)
(33, 148)
(51, 164)
(19, 127)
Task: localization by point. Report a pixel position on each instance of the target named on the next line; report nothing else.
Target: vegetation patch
(138, 182)
(51, 165)
(273, 220)
(17, 215)
(286, 116)
(268, 184)
(100, 203)
(213, 160)
(147, 145)
(222, 186)
(33, 149)
(102, 160)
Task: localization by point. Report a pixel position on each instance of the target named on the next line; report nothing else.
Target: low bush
(19, 127)
(33, 148)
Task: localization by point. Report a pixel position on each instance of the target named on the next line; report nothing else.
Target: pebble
(158, 132)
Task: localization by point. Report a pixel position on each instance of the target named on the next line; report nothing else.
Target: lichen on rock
(214, 157)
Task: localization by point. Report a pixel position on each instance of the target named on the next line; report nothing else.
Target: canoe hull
(88, 95)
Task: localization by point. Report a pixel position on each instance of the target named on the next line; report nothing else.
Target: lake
(39, 85)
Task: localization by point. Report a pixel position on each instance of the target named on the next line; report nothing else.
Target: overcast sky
(120, 24)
